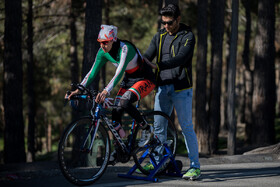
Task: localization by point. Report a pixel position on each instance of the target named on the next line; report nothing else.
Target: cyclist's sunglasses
(104, 42)
(167, 22)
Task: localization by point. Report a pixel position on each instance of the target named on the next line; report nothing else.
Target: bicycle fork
(93, 127)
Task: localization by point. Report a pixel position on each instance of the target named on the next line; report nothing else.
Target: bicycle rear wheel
(151, 149)
(78, 164)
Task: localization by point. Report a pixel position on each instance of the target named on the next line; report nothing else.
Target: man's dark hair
(171, 10)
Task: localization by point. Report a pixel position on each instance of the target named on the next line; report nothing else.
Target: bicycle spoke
(154, 151)
(81, 159)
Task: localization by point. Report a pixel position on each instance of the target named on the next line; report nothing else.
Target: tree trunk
(166, 2)
(14, 150)
(201, 126)
(248, 74)
(224, 91)
(160, 5)
(49, 137)
(217, 31)
(278, 91)
(74, 64)
(92, 26)
(30, 86)
(73, 44)
(93, 21)
(264, 97)
(107, 21)
(231, 80)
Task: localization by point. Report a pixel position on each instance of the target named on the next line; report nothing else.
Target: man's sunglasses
(104, 42)
(167, 22)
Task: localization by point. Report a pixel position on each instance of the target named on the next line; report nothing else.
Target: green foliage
(222, 142)
(181, 146)
(134, 20)
(189, 14)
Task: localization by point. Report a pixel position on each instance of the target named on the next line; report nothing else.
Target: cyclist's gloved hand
(68, 95)
(108, 102)
(100, 98)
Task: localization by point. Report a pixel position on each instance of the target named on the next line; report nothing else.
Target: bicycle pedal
(168, 142)
(112, 162)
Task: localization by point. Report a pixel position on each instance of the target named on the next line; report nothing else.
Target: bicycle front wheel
(81, 163)
(142, 155)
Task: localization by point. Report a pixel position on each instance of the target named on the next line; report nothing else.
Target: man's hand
(101, 96)
(154, 66)
(108, 102)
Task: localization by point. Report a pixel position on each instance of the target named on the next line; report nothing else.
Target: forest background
(45, 45)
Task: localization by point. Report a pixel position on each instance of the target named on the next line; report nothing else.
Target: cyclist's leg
(117, 113)
(139, 90)
(126, 104)
(117, 118)
(142, 88)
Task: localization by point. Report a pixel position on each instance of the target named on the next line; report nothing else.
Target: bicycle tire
(171, 135)
(83, 167)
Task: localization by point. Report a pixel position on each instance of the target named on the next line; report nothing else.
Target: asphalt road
(254, 171)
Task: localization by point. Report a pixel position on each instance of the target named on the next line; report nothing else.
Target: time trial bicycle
(85, 145)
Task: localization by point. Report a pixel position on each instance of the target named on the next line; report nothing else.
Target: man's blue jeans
(166, 98)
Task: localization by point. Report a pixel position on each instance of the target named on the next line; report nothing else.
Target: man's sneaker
(147, 167)
(192, 174)
(145, 136)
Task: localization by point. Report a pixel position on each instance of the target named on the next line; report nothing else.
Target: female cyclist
(138, 81)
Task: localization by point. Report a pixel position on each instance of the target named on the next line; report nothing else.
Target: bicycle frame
(115, 133)
(97, 114)
(100, 115)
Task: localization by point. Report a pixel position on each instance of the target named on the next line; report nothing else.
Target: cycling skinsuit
(138, 81)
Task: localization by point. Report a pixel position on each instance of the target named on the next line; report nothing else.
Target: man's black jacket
(181, 53)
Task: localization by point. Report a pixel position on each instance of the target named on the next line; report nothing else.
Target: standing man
(173, 46)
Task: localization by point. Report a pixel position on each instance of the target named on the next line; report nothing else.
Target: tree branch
(54, 15)
(43, 5)
(50, 27)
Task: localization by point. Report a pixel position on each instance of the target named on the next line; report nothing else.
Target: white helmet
(107, 33)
